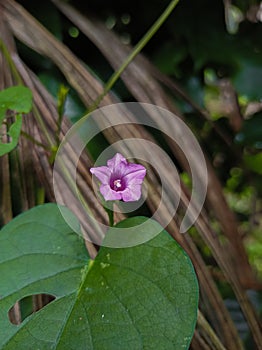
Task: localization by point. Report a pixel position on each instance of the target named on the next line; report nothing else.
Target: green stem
(30, 138)
(10, 62)
(139, 46)
(110, 214)
(41, 123)
(62, 95)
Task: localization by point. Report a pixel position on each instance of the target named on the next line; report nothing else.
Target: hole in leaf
(27, 306)
(9, 139)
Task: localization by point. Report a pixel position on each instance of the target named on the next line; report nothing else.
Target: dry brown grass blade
(36, 157)
(17, 164)
(5, 191)
(34, 35)
(211, 302)
(5, 181)
(208, 338)
(46, 109)
(139, 78)
(17, 181)
(5, 185)
(76, 75)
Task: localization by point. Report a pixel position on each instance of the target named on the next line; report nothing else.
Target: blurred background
(207, 60)
(212, 51)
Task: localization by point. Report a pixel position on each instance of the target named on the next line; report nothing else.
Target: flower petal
(135, 174)
(103, 174)
(120, 171)
(109, 194)
(116, 161)
(132, 194)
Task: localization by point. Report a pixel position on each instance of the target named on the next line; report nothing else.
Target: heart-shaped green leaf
(15, 98)
(13, 133)
(19, 100)
(142, 297)
(39, 253)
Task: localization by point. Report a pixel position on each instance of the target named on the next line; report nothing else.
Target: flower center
(117, 184)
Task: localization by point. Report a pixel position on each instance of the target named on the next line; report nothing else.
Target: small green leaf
(62, 95)
(15, 98)
(144, 297)
(13, 133)
(19, 100)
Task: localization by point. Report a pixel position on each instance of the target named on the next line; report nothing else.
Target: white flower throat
(117, 184)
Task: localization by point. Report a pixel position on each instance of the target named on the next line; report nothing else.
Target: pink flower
(120, 180)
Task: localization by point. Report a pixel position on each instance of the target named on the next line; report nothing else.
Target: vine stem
(110, 213)
(34, 141)
(139, 46)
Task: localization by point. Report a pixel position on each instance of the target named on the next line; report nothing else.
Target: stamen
(117, 184)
